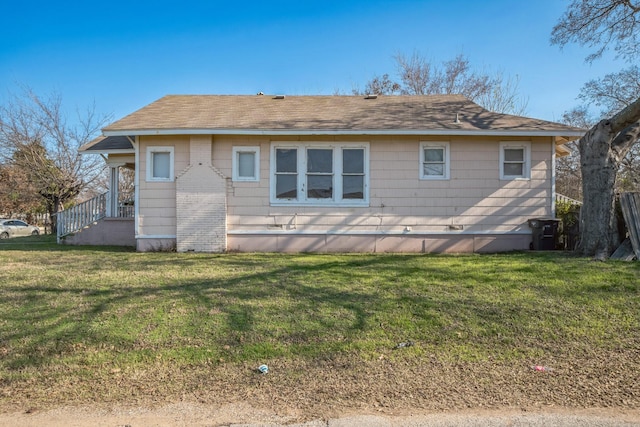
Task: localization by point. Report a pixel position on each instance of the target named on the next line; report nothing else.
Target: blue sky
(123, 55)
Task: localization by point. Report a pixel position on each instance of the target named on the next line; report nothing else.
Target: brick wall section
(201, 202)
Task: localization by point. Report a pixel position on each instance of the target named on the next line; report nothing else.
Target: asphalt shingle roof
(350, 114)
(108, 143)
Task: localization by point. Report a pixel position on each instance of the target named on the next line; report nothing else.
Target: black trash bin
(544, 234)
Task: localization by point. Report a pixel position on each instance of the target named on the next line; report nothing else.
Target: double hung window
(315, 174)
(434, 160)
(515, 160)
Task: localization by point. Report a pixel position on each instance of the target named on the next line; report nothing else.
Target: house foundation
(419, 243)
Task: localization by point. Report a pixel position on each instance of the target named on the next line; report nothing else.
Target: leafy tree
(419, 76)
(36, 139)
(17, 193)
(601, 24)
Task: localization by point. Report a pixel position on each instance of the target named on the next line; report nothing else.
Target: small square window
(160, 164)
(514, 160)
(246, 164)
(434, 160)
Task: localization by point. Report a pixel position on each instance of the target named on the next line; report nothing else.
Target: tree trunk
(602, 149)
(599, 171)
(53, 207)
(54, 218)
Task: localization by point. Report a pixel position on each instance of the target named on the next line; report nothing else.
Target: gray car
(16, 228)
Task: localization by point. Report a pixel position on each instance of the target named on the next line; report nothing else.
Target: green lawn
(78, 311)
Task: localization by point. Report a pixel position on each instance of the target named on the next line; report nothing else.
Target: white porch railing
(83, 214)
(76, 218)
(125, 207)
(561, 198)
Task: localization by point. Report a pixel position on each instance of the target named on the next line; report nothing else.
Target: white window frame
(236, 163)
(160, 149)
(447, 160)
(526, 163)
(301, 199)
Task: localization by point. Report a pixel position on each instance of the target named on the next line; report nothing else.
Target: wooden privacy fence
(630, 204)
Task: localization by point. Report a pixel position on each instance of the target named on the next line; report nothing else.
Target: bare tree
(600, 24)
(614, 91)
(503, 96)
(568, 173)
(419, 76)
(381, 86)
(35, 137)
(602, 150)
(458, 77)
(416, 75)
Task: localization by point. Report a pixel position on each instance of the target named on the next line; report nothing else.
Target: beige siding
(157, 200)
(473, 210)
(473, 197)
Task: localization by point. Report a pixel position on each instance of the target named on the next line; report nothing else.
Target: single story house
(216, 173)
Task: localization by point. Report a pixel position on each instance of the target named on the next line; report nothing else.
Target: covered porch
(109, 217)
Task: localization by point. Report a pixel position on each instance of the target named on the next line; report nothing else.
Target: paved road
(183, 415)
(466, 420)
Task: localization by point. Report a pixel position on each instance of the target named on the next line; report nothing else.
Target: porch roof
(109, 145)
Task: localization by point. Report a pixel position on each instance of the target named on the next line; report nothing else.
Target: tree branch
(626, 117)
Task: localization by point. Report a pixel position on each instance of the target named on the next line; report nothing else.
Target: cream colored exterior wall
(401, 203)
(121, 158)
(472, 211)
(156, 210)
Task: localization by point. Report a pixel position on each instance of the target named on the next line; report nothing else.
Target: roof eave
(106, 151)
(567, 135)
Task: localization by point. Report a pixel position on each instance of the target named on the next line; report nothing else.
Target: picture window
(312, 174)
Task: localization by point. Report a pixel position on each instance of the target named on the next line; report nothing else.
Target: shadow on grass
(49, 321)
(48, 242)
(264, 306)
